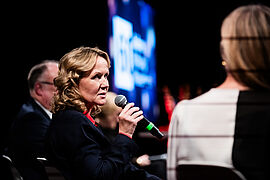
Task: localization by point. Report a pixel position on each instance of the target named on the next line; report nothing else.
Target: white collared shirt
(46, 110)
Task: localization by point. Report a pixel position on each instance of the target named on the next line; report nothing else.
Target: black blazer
(80, 150)
(251, 147)
(27, 137)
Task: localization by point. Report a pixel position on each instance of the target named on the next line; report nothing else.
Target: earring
(223, 63)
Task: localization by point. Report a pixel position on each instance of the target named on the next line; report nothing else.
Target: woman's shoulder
(214, 95)
(69, 112)
(68, 115)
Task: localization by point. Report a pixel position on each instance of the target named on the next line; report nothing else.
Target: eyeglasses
(46, 82)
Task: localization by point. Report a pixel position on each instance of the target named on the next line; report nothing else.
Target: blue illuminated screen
(132, 51)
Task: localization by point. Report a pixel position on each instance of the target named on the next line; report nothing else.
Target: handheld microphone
(121, 101)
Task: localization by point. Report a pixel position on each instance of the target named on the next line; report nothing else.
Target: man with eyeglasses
(30, 126)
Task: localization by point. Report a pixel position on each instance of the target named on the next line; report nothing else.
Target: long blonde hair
(245, 45)
(73, 66)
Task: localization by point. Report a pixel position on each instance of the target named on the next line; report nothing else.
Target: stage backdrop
(132, 45)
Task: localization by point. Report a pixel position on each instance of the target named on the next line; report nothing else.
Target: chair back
(52, 172)
(8, 170)
(209, 172)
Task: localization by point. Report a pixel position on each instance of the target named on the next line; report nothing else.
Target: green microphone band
(150, 126)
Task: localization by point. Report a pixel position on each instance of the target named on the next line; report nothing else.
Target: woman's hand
(128, 119)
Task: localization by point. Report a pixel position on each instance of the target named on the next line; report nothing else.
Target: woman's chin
(101, 103)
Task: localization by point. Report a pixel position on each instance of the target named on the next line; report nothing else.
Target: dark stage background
(187, 37)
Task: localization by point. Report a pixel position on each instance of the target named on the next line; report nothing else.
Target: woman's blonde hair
(73, 66)
(245, 45)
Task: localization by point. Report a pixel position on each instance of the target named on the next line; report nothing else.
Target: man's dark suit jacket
(27, 140)
(80, 150)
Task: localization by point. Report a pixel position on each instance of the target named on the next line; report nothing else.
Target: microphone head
(120, 101)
